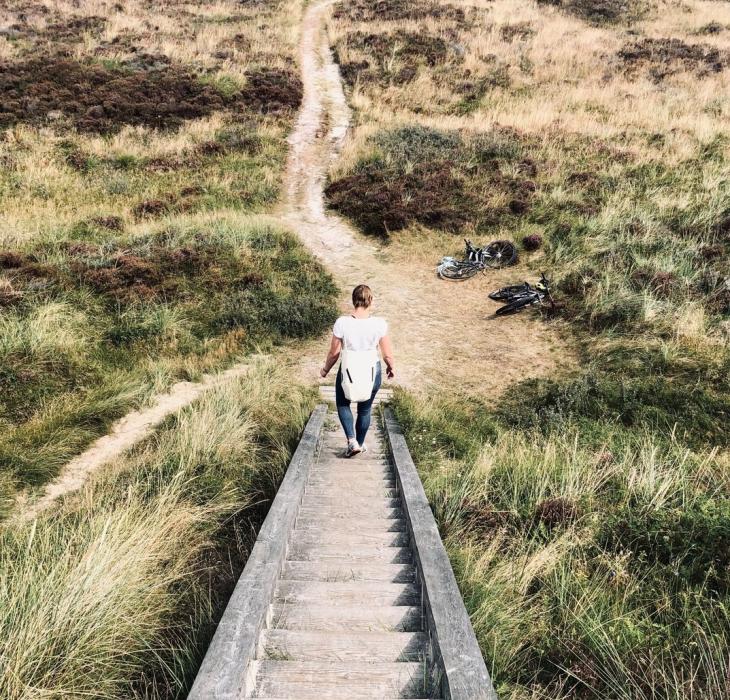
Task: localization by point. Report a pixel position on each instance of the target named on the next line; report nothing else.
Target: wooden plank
(464, 673)
(348, 541)
(339, 570)
(361, 525)
(401, 618)
(315, 552)
(353, 492)
(347, 593)
(354, 503)
(318, 679)
(348, 513)
(344, 646)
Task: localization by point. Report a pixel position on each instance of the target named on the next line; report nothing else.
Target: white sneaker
(352, 449)
(363, 448)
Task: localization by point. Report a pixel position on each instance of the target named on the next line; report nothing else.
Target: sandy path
(443, 332)
(125, 433)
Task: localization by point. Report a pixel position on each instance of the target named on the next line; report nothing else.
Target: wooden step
(362, 525)
(354, 503)
(302, 551)
(353, 618)
(348, 480)
(351, 465)
(347, 593)
(347, 571)
(345, 512)
(356, 493)
(344, 646)
(322, 680)
(347, 541)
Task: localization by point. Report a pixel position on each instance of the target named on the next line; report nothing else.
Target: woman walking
(360, 333)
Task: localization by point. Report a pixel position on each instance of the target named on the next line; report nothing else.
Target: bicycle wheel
(500, 254)
(507, 293)
(518, 304)
(458, 271)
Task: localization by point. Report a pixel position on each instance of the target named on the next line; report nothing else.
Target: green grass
(593, 561)
(98, 327)
(115, 594)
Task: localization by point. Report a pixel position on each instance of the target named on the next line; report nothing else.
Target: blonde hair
(362, 296)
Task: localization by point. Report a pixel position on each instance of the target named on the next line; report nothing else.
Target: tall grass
(592, 568)
(112, 595)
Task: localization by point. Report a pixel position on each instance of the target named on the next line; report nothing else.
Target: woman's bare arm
(386, 348)
(332, 356)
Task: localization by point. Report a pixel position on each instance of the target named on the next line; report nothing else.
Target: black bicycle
(520, 296)
(496, 255)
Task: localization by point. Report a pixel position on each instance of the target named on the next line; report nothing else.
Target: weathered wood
(316, 552)
(465, 675)
(348, 571)
(347, 593)
(322, 645)
(335, 526)
(222, 674)
(317, 679)
(398, 618)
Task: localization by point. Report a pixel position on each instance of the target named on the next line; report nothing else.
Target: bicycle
(520, 296)
(495, 255)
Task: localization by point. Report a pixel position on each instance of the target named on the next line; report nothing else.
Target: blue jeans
(364, 408)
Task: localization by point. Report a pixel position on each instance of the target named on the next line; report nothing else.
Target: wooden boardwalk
(348, 592)
(346, 620)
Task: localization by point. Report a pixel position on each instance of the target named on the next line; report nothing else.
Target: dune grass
(131, 252)
(114, 594)
(586, 514)
(593, 564)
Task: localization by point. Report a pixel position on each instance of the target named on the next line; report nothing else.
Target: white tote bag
(358, 373)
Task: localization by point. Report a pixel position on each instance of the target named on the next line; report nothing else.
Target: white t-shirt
(360, 333)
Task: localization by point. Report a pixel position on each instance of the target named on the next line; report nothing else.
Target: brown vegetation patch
(110, 223)
(481, 518)
(270, 90)
(59, 35)
(151, 207)
(660, 283)
(532, 241)
(391, 58)
(10, 260)
(98, 99)
(127, 277)
(556, 511)
(26, 272)
(665, 57)
(434, 194)
(380, 202)
(519, 30)
(602, 11)
(437, 179)
(396, 10)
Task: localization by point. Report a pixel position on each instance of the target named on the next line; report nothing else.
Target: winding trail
(441, 331)
(125, 434)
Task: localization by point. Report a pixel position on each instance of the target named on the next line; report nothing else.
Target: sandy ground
(444, 333)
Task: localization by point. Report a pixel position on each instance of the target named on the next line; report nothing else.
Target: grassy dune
(114, 595)
(587, 516)
(139, 143)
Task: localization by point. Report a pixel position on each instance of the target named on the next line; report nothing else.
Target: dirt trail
(125, 433)
(443, 332)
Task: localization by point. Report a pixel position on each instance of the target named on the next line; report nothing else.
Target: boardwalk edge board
(464, 674)
(222, 675)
